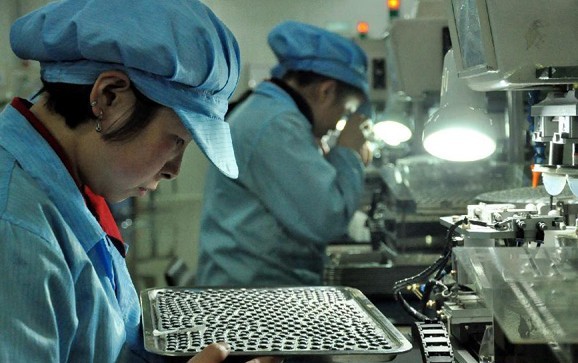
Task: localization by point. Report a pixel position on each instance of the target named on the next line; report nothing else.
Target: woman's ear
(326, 91)
(111, 98)
(108, 87)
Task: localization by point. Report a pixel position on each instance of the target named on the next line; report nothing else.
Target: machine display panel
(469, 33)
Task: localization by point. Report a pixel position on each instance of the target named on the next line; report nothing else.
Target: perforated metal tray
(329, 324)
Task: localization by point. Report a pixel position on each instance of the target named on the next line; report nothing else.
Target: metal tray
(327, 324)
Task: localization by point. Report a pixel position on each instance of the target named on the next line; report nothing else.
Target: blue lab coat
(271, 226)
(66, 294)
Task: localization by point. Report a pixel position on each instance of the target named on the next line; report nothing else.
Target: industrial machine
(400, 208)
(503, 289)
(506, 282)
(408, 190)
(403, 205)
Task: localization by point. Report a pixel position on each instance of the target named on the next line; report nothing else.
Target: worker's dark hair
(305, 78)
(72, 101)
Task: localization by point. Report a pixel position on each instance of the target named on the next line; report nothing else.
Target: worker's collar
(299, 100)
(95, 203)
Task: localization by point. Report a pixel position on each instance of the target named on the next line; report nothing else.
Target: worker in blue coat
(126, 86)
(271, 226)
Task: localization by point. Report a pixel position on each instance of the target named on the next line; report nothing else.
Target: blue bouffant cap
(177, 53)
(304, 47)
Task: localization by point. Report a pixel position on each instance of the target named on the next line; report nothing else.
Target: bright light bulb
(391, 132)
(455, 144)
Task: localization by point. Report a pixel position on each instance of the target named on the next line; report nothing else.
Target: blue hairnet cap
(177, 53)
(304, 47)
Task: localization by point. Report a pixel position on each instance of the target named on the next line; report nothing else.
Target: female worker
(126, 86)
(271, 225)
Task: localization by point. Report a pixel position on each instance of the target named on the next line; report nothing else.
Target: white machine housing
(416, 69)
(515, 44)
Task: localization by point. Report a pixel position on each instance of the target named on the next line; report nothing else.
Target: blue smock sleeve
(313, 196)
(37, 314)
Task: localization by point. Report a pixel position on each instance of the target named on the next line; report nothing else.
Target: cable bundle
(436, 269)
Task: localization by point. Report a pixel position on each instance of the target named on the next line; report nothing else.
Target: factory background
(168, 220)
(526, 79)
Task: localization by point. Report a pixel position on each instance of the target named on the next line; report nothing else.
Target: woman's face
(329, 106)
(119, 170)
(327, 117)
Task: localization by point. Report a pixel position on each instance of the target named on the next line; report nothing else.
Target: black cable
(409, 309)
(428, 271)
(437, 267)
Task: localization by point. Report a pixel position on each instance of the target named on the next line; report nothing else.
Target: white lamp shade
(461, 129)
(392, 132)
(394, 125)
(459, 140)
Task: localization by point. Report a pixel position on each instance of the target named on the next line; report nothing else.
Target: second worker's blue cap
(304, 47)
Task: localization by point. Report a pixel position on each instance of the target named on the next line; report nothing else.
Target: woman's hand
(366, 153)
(217, 352)
(353, 136)
(213, 353)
